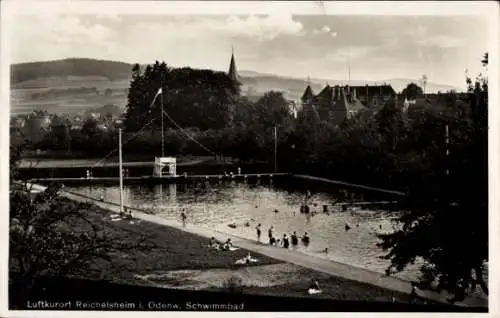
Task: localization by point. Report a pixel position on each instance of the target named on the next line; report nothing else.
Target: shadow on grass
(106, 296)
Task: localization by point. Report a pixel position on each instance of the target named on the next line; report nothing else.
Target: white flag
(159, 92)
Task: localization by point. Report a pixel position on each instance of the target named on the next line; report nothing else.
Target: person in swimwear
(295, 239)
(184, 217)
(270, 234)
(228, 244)
(305, 239)
(258, 232)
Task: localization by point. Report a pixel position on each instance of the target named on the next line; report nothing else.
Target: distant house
(116, 124)
(95, 116)
(434, 103)
(374, 95)
(293, 108)
(407, 103)
(17, 126)
(17, 122)
(333, 103)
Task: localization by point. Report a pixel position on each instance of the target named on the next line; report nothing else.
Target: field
(23, 95)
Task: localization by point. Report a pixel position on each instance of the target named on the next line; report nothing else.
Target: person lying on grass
(123, 215)
(314, 288)
(129, 215)
(246, 260)
(227, 246)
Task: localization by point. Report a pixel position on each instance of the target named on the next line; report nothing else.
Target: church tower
(232, 73)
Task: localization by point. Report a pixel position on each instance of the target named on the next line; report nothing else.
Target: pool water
(245, 205)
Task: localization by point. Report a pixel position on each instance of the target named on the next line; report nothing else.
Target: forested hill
(69, 67)
(113, 71)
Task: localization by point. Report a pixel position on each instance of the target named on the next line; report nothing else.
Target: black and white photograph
(231, 156)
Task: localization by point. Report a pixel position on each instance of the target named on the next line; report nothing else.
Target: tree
(412, 90)
(272, 109)
(59, 135)
(192, 98)
(444, 218)
(50, 235)
(89, 128)
(135, 112)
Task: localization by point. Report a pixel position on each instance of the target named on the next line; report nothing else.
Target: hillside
(110, 70)
(293, 84)
(76, 85)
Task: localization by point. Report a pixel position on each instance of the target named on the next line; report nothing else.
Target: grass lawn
(175, 249)
(333, 287)
(172, 249)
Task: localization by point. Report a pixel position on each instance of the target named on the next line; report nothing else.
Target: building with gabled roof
(333, 103)
(308, 95)
(233, 72)
(374, 95)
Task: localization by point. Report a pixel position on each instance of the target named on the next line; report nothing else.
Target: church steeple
(232, 73)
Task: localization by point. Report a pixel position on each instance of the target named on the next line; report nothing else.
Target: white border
(257, 7)
(488, 9)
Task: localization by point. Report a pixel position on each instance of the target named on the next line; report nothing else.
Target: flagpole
(447, 142)
(162, 133)
(121, 167)
(275, 149)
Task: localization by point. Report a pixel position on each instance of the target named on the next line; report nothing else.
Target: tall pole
(349, 75)
(121, 167)
(447, 141)
(349, 69)
(275, 149)
(162, 135)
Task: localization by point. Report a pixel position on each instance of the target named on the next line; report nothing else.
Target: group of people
(126, 214)
(227, 246)
(285, 242)
(230, 174)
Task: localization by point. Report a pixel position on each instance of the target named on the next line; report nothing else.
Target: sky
(376, 47)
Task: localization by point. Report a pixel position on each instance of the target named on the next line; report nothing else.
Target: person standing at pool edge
(286, 243)
(305, 239)
(184, 217)
(258, 232)
(270, 233)
(295, 240)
